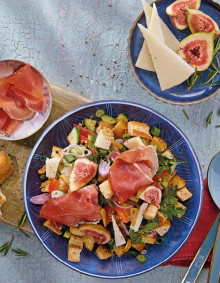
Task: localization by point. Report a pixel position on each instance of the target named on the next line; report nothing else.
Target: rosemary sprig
(185, 113)
(209, 120)
(21, 223)
(6, 247)
(19, 252)
(217, 126)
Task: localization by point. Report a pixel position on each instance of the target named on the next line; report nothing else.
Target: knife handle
(202, 254)
(214, 270)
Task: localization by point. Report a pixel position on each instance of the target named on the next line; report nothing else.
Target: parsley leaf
(135, 237)
(151, 225)
(167, 164)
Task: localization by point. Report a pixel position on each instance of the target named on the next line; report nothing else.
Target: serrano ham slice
(73, 208)
(132, 171)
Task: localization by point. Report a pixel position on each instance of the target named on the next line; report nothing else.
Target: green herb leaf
(22, 220)
(135, 237)
(19, 252)
(160, 241)
(151, 225)
(217, 126)
(209, 120)
(184, 111)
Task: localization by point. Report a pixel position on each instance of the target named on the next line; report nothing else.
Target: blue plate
(56, 134)
(148, 80)
(214, 178)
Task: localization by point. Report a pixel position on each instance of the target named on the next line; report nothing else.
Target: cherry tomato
(54, 185)
(122, 214)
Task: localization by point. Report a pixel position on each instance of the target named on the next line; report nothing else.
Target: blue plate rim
(143, 86)
(95, 104)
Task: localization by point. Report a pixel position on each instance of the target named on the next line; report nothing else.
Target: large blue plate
(56, 134)
(148, 80)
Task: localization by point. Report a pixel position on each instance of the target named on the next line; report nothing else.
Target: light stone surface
(81, 45)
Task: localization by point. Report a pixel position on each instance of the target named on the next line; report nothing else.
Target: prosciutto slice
(132, 171)
(73, 208)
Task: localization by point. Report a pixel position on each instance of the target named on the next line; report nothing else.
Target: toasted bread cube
(138, 129)
(116, 145)
(167, 153)
(103, 125)
(105, 189)
(138, 247)
(149, 238)
(183, 194)
(104, 217)
(162, 217)
(134, 214)
(74, 253)
(103, 252)
(150, 212)
(127, 246)
(103, 140)
(42, 170)
(164, 224)
(177, 181)
(134, 199)
(50, 225)
(120, 128)
(63, 186)
(75, 240)
(145, 141)
(2, 198)
(119, 250)
(178, 204)
(159, 143)
(75, 231)
(65, 179)
(45, 186)
(56, 151)
(89, 242)
(134, 142)
(166, 179)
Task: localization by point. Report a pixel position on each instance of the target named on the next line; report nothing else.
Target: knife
(202, 254)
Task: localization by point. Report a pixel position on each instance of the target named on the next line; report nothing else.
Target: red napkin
(207, 217)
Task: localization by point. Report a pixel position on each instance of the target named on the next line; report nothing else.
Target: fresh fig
(177, 13)
(151, 195)
(200, 22)
(99, 233)
(197, 49)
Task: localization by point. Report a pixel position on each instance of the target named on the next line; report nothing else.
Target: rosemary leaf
(22, 220)
(214, 67)
(7, 248)
(22, 231)
(209, 120)
(2, 248)
(217, 126)
(19, 252)
(184, 111)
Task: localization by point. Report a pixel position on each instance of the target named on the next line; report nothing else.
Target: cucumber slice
(90, 124)
(99, 113)
(108, 119)
(122, 117)
(67, 234)
(76, 151)
(74, 136)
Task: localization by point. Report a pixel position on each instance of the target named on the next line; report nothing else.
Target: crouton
(105, 189)
(2, 198)
(177, 181)
(45, 186)
(56, 151)
(134, 214)
(149, 238)
(63, 186)
(6, 167)
(150, 212)
(75, 231)
(89, 242)
(137, 129)
(65, 179)
(120, 128)
(134, 199)
(164, 224)
(167, 153)
(103, 252)
(134, 142)
(145, 141)
(183, 194)
(119, 250)
(178, 204)
(166, 179)
(75, 240)
(50, 225)
(127, 246)
(159, 143)
(138, 247)
(74, 253)
(116, 145)
(104, 218)
(42, 170)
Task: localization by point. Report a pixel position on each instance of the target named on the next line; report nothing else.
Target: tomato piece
(122, 214)
(84, 131)
(54, 185)
(109, 211)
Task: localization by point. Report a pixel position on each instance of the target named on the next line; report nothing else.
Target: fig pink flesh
(201, 23)
(196, 52)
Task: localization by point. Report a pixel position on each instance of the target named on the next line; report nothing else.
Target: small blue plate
(148, 80)
(214, 178)
(56, 134)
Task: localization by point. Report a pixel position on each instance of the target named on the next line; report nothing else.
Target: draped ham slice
(7, 125)
(132, 171)
(73, 208)
(4, 86)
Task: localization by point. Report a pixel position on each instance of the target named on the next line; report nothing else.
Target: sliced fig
(99, 233)
(197, 49)
(83, 172)
(151, 195)
(177, 13)
(200, 22)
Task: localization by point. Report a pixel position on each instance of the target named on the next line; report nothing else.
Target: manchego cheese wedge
(171, 69)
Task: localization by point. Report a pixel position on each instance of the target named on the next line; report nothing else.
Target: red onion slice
(123, 207)
(104, 167)
(125, 228)
(40, 199)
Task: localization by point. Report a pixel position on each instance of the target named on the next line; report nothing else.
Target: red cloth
(207, 217)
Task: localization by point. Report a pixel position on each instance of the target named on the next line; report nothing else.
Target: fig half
(200, 22)
(177, 13)
(197, 49)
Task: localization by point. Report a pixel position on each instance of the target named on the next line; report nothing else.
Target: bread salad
(114, 189)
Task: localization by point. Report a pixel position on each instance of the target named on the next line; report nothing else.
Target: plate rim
(130, 103)
(143, 86)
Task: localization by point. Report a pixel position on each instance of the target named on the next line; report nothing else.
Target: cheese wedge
(144, 60)
(169, 37)
(171, 69)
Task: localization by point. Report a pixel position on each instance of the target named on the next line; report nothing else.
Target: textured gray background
(81, 45)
